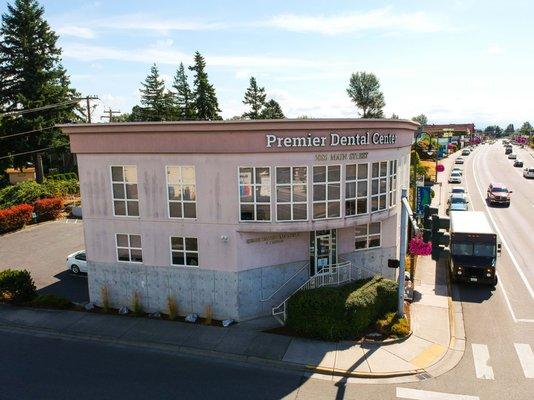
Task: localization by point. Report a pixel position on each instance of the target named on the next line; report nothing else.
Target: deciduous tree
(364, 91)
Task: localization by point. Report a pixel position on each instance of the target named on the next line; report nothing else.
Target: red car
(498, 194)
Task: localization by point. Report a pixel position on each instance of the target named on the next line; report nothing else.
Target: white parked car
(77, 262)
(459, 160)
(512, 156)
(528, 172)
(457, 169)
(455, 177)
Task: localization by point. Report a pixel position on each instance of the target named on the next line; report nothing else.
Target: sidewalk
(435, 346)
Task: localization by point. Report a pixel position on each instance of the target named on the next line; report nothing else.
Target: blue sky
(454, 60)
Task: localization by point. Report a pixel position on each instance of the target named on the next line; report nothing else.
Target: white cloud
(163, 53)
(379, 19)
(495, 49)
(76, 31)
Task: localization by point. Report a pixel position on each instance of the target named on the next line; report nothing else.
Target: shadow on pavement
(71, 286)
(473, 293)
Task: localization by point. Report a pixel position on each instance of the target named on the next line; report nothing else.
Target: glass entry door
(323, 252)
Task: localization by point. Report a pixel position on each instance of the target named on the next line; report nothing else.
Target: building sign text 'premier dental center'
(334, 139)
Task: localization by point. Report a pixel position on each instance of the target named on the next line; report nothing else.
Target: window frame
(185, 251)
(392, 189)
(379, 193)
(291, 184)
(326, 183)
(356, 198)
(181, 202)
(368, 236)
(254, 203)
(123, 182)
(129, 248)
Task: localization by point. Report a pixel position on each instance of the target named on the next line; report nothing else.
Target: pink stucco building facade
(237, 214)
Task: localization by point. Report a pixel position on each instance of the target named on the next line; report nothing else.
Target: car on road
(457, 169)
(512, 156)
(459, 160)
(455, 177)
(508, 150)
(498, 193)
(466, 152)
(458, 189)
(518, 163)
(457, 202)
(77, 262)
(528, 172)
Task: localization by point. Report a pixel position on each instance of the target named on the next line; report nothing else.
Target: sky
(456, 61)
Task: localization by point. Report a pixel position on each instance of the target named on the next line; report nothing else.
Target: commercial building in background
(237, 215)
(457, 134)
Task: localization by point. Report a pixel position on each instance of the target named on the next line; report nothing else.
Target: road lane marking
(415, 394)
(526, 358)
(501, 236)
(481, 358)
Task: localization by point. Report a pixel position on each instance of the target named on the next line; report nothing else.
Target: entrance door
(323, 251)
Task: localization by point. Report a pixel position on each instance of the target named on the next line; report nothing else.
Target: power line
(49, 106)
(34, 151)
(110, 113)
(25, 133)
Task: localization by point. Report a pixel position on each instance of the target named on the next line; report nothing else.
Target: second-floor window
(392, 183)
(254, 194)
(291, 193)
(356, 182)
(326, 191)
(379, 178)
(181, 192)
(124, 190)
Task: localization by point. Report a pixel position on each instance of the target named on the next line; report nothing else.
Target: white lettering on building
(335, 140)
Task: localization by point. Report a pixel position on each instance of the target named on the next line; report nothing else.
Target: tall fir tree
(156, 104)
(255, 98)
(183, 96)
(272, 110)
(206, 103)
(31, 76)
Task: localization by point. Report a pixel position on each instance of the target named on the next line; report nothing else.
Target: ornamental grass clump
(172, 307)
(137, 305)
(208, 314)
(104, 297)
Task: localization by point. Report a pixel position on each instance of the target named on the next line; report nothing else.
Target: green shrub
(16, 286)
(384, 324)
(50, 301)
(30, 191)
(400, 328)
(343, 312)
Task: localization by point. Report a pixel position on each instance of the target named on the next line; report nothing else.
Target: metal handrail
(317, 281)
(286, 282)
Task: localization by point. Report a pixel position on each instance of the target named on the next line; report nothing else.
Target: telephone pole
(109, 115)
(88, 100)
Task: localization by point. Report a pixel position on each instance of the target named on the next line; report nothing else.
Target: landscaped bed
(346, 312)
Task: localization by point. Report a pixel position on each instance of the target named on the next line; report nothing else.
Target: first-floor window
(184, 251)
(367, 236)
(129, 248)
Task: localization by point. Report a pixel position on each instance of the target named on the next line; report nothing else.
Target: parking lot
(42, 249)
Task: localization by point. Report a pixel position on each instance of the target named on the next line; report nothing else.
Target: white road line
(503, 240)
(481, 358)
(415, 394)
(526, 358)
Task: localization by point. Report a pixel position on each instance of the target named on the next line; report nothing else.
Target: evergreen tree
(185, 105)
(526, 129)
(255, 98)
(206, 104)
(31, 76)
(364, 91)
(155, 101)
(272, 110)
(509, 129)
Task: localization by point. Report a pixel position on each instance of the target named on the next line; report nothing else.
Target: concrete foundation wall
(239, 295)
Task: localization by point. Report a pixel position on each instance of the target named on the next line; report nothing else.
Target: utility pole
(88, 100)
(109, 115)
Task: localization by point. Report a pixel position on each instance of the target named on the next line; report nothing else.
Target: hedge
(16, 286)
(15, 217)
(63, 177)
(47, 209)
(31, 191)
(343, 312)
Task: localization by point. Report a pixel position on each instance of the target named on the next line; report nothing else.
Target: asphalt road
(42, 249)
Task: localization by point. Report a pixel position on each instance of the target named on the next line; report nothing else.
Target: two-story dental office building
(237, 214)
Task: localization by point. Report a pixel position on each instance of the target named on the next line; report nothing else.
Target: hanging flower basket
(418, 247)
(440, 168)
